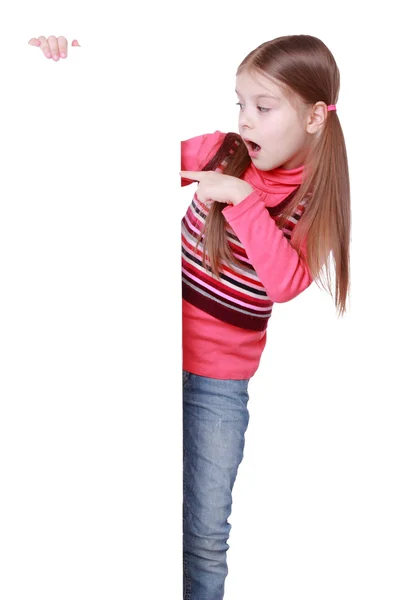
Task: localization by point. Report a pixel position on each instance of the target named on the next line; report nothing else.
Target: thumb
(75, 43)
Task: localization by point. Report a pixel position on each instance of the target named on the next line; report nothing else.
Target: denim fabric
(215, 418)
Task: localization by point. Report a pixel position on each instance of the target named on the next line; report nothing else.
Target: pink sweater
(213, 348)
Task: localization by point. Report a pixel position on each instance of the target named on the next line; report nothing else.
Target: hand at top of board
(53, 47)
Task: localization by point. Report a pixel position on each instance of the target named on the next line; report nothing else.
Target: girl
(271, 214)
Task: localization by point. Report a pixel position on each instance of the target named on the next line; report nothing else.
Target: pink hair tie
(332, 107)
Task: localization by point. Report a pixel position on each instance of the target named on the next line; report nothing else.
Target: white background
(90, 398)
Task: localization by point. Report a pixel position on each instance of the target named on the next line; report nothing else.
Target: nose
(245, 119)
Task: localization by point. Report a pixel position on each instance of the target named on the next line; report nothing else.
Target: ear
(316, 118)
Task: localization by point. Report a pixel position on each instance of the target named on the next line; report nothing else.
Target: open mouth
(253, 146)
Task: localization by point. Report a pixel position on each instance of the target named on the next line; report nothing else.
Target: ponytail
(327, 219)
(216, 248)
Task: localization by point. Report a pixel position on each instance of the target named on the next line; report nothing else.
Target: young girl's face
(269, 119)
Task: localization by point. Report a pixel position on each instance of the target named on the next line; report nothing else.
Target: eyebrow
(261, 96)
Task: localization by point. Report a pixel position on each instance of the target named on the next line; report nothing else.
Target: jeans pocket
(185, 377)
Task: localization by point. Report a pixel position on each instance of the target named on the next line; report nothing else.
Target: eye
(260, 108)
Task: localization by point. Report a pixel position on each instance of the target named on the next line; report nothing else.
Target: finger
(75, 43)
(63, 46)
(53, 43)
(34, 42)
(44, 46)
(195, 175)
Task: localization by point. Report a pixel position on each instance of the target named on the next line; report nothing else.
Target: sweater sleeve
(281, 269)
(197, 151)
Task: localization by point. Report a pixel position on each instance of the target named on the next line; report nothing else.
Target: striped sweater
(213, 347)
(237, 297)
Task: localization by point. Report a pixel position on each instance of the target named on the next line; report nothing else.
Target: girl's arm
(282, 271)
(197, 151)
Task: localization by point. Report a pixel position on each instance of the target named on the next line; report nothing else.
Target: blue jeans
(215, 418)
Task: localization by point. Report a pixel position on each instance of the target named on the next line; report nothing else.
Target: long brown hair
(305, 67)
